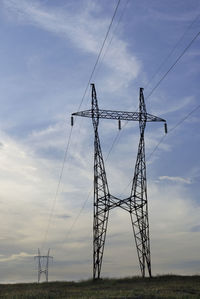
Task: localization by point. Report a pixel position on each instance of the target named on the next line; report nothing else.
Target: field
(169, 286)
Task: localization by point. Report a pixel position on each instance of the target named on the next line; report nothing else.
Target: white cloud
(166, 16)
(163, 105)
(85, 32)
(15, 257)
(176, 179)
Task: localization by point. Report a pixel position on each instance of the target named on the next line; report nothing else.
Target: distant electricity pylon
(43, 264)
(136, 204)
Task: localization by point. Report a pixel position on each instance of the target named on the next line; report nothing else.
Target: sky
(48, 50)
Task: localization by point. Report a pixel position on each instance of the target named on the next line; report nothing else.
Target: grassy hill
(169, 286)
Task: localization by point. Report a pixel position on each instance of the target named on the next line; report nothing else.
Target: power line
(115, 29)
(172, 51)
(69, 139)
(173, 128)
(184, 118)
(98, 57)
(78, 215)
(58, 187)
(179, 57)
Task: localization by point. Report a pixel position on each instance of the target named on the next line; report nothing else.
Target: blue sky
(48, 50)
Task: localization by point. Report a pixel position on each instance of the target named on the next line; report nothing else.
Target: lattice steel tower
(43, 265)
(136, 204)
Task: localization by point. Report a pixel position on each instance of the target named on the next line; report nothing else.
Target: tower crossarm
(122, 115)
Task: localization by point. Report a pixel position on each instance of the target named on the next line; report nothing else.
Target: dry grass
(168, 286)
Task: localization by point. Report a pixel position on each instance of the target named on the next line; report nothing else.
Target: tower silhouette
(136, 204)
(43, 265)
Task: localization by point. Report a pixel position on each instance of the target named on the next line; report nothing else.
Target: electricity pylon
(136, 203)
(43, 264)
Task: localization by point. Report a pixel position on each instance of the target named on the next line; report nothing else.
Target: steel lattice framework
(136, 204)
(43, 265)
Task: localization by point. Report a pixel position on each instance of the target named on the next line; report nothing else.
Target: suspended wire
(156, 147)
(78, 215)
(70, 135)
(173, 65)
(173, 128)
(58, 187)
(113, 34)
(184, 118)
(172, 50)
(98, 57)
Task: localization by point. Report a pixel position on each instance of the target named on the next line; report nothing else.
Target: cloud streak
(84, 32)
(176, 179)
(15, 257)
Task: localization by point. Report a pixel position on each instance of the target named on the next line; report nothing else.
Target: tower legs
(101, 209)
(99, 235)
(138, 198)
(136, 204)
(101, 194)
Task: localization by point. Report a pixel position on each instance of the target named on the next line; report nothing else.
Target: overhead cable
(58, 187)
(173, 128)
(69, 139)
(113, 33)
(172, 50)
(173, 65)
(100, 52)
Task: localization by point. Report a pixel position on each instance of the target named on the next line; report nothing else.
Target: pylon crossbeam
(136, 204)
(122, 115)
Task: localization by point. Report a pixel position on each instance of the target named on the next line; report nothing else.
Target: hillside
(169, 286)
